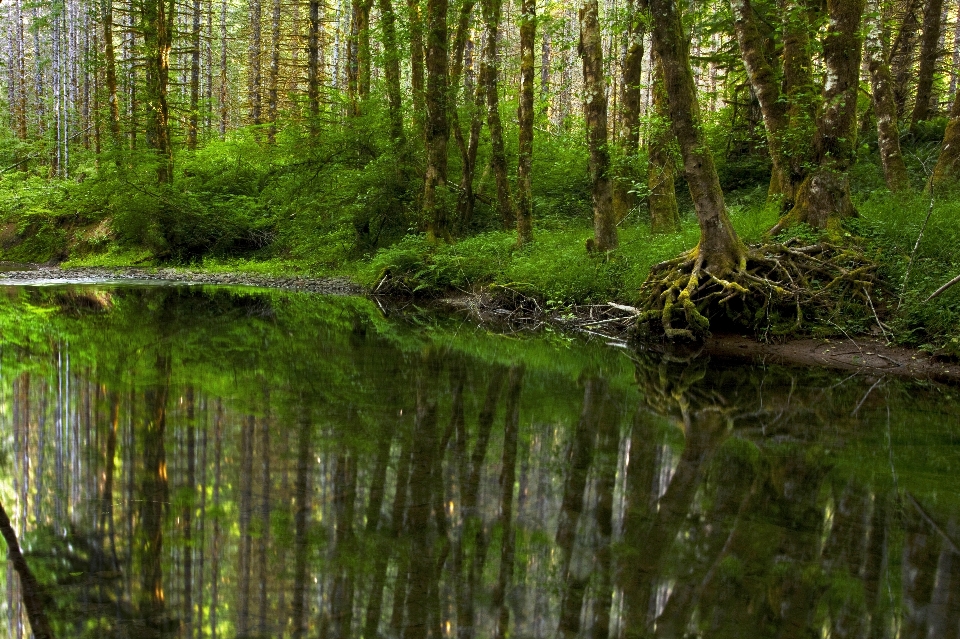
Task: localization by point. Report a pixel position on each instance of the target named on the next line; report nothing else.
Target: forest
(776, 166)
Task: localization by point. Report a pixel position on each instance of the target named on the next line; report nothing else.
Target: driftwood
(31, 590)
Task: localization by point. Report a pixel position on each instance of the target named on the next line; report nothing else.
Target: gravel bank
(45, 275)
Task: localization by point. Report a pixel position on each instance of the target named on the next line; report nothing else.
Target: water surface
(204, 462)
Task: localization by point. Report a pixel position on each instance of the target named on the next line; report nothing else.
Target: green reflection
(185, 462)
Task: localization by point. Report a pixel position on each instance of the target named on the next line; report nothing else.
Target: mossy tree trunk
(528, 35)
(824, 196)
(623, 199)
(391, 68)
(595, 113)
(766, 86)
(437, 124)
(885, 106)
(157, 26)
(720, 250)
(947, 170)
(492, 11)
(903, 52)
(798, 89)
(929, 54)
(662, 198)
(415, 33)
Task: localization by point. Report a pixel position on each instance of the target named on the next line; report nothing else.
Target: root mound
(781, 289)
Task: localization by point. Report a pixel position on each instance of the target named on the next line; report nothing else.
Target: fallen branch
(943, 289)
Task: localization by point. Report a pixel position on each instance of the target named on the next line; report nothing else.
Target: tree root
(780, 289)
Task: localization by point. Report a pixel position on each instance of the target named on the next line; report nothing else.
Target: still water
(202, 462)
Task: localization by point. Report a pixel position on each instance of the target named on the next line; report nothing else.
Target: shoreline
(865, 355)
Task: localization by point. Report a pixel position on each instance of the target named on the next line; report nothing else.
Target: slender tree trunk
(947, 170)
(662, 199)
(720, 249)
(274, 79)
(187, 513)
(492, 11)
(111, 71)
(255, 62)
(929, 54)
(902, 54)
(391, 64)
(799, 90)
(763, 79)
(194, 120)
(415, 26)
(824, 196)
(595, 113)
(528, 36)
(630, 105)
(437, 124)
(157, 33)
(955, 66)
(358, 54)
(313, 65)
(223, 95)
(885, 106)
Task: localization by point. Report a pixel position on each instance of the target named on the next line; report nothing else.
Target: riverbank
(611, 323)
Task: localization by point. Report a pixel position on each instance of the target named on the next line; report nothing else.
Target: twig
(943, 289)
(877, 317)
(933, 524)
(875, 384)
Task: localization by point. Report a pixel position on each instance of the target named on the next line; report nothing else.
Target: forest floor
(611, 323)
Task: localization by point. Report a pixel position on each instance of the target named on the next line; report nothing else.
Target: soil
(610, 322)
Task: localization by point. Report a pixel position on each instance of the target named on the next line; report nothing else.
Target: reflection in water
(181, 463)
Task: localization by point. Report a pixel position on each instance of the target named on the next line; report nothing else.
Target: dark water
(213, 463)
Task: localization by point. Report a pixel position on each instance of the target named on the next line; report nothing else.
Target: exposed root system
(780, 289)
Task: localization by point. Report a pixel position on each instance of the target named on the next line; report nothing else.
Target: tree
(157, 28)
(947, 170)
(595, 114)
(437, 123)
(528, 35)
(929, 54)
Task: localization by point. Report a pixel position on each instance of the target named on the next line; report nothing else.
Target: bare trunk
(591, 51)
(492, 10)
(885, 107)
(194, 120)
(313, 65)
(224, 88)
(157, 33)
(720, 249)
(630, 106)
(824, 197)
(256, 67)
(902, 54)
(664, 211)
(273, 81)
(415, 22)
(947, 170)
(391, 65)
(437, 124)
(528, 35)
(929, 54)
(763, 79)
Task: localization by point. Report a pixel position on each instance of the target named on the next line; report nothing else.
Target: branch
(943, 289)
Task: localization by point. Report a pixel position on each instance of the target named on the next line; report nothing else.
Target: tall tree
(157, 28)
(391, 64)
(824, 196)
(631, 102)
(605, 236)
(194, 118)
(110, 62)
(528, 36)
(437, 123)
(929, 54)
(661, 185)
(720, 249)
(947, 170)
(492, 12)
(255, 52)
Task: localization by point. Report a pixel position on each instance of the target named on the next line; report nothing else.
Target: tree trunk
(798, 88)
(824, 196)
(720, 249)
(630, 107)
(223, 94)
(157, 34)
(528, 35)
(947, 170)
(358, 54)
(492, 10)
(194, 121)
(902, 54)
(885, 107)
(111, 71)
(415, 26)
(273, 81)
(595, 113)
(929, 54)
(32, 592)
(391, 64)
(313, 65)
(662, 199)
(437, 124)
(256, 68)
(763, 79)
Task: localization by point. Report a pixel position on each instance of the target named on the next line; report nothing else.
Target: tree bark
(223, 93)
(662, 199)
(885, 107)
(313, 65)
(902, 54)
(391, 64)
(528, 35)
(415, 26)
(824, 197)
(720, 249)
(595, 113)
(763, 79)
(194, 120)
(157, 33)
(111, 71)
(630, 106)
(947, 170)
(256, 66)
(273, 81)
(437, 124)
(358, 54)
(492, 11)
(929, 54)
